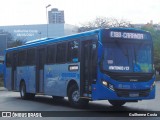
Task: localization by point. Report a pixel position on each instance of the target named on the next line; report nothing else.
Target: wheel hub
(75, 96)
(22, 91)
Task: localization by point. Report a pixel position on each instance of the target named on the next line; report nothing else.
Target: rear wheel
(74, 97)
(23, 93)
(117, 103)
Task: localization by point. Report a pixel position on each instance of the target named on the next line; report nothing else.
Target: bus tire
(117, 103)
(24, 95)
(74, 98)
(23, 90)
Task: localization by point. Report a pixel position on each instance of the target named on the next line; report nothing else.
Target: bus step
(87, 95)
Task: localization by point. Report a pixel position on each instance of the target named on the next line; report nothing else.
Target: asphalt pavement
(11, 101)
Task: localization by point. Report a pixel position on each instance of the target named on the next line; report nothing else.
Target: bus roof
(58, 39)
(42, 41)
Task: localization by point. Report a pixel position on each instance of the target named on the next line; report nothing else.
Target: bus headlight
(108, 85)
(105, 83)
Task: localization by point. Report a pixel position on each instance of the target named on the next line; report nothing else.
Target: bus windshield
(127, 57)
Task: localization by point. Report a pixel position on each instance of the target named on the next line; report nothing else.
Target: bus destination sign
(126, 35)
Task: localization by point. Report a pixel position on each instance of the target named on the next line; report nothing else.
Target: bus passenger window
(22, 58)
(8, 60)
(73, 51)
(31, 57)
(51, 50)
(61, 53)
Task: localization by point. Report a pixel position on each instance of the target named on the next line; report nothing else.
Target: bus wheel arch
(74, 95)
(71, 83)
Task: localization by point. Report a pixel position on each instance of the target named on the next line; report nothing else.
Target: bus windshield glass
(127, 57)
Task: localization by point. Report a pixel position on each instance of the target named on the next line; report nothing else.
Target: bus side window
(22, 58)
(73, 51)
(51, 50)
(8, 59)
(31, 57)
(61, 53)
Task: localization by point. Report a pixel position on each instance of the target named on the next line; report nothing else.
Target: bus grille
(132, 78)
(128, 93)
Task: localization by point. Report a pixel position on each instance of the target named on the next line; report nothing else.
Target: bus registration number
(133, 94)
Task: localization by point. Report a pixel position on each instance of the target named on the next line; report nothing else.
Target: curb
(2, 89)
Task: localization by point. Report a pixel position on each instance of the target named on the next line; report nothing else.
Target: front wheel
(74, 97)
(117, 103)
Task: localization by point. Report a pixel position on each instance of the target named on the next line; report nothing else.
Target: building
(32, 32)
(55, 16)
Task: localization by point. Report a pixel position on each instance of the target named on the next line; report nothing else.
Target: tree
(15, 43)
(103, 22)
(11, 41)
(156, 44)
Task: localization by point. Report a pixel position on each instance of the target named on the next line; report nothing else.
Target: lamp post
(47, 17)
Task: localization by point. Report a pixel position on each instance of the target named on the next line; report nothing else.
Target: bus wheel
(74, 97)
(23, 93)
(117, 103)
(23, 90)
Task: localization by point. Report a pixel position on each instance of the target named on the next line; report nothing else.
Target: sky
(24, 12)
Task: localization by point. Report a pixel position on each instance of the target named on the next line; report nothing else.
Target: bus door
(40, 70)
(14, 70)
(88, 67)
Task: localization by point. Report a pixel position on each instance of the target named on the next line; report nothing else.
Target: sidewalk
(2, 89)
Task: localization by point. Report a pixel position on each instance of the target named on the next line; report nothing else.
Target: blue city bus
(114, 64)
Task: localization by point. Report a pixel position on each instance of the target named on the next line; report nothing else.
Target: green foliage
(156, 43)
(14, 43)
(103, 22)
(11, 41)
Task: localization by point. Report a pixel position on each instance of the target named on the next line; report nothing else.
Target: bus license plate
(134, 95)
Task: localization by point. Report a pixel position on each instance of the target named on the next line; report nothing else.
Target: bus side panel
(56, 78)
(8, 80)
(31, 79)
(28, 75)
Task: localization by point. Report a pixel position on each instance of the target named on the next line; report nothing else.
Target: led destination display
(127, 35)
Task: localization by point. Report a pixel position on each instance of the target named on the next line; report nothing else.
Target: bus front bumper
(101, 92)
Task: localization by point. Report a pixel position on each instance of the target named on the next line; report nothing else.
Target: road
(11, 101)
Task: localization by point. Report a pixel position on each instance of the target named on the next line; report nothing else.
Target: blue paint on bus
(124, 67)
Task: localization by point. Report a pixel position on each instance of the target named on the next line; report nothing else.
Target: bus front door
(88, 67)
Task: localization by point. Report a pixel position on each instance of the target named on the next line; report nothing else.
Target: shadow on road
(92, 106)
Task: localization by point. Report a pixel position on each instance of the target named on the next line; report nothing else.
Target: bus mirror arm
(100, 43)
